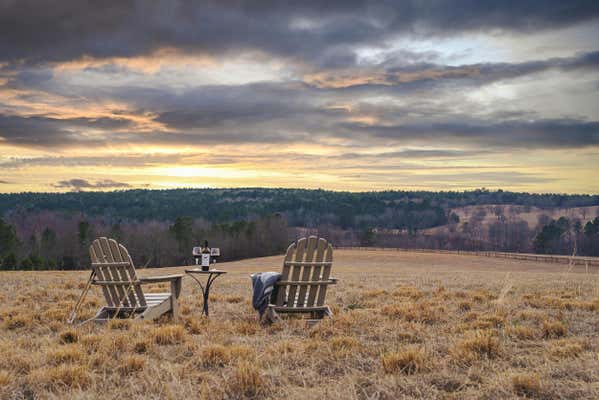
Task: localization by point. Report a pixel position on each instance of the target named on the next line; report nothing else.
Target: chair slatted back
(115, 273)
(307, 260)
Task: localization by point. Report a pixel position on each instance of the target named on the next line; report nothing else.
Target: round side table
(212, 275)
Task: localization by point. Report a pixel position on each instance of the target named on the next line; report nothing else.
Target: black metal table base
(212, 275)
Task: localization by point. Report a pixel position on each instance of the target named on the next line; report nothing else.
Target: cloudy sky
(343, 95)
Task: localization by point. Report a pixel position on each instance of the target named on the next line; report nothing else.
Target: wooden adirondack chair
(114, 271)
(306, 276)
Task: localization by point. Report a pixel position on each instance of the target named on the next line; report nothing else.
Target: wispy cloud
(80, 184)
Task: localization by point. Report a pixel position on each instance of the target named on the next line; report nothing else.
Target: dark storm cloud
(80, 184)
(315, 31)
(46, 131)
(211, 106)
(548, 133)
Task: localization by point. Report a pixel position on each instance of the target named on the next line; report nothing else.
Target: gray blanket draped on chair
(264, 288)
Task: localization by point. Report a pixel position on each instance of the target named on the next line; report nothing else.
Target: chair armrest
(162, 278)
(175, 281)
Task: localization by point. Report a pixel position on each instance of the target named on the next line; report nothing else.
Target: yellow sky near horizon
(529, 171)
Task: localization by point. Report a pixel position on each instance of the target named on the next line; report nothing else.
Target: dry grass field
(406, 325)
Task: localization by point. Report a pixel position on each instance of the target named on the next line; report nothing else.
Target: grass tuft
(554, 329)
(522, 332)
(215, 356)
(528, 385)
(566, 349)
(142, 346)
(476, 346)
(344, 343)
(67, 354)
(69, 336)
(423, 312)
(247, 328)
(407, 361)
(131, 364)
(57, 377)
(169, 334)
(247, 380)
(409, 292)
(119, 324)
(18, 321)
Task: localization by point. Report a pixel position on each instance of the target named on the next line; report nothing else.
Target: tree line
(54, 230)
(301, 207)
(51, 240)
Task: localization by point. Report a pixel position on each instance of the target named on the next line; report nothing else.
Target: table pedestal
(212, 275)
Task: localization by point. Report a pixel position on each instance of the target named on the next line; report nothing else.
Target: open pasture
(407, 325)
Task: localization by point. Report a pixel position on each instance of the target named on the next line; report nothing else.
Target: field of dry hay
(406, 325)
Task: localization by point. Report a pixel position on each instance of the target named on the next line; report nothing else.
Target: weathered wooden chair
(113, 270)
(305, 278)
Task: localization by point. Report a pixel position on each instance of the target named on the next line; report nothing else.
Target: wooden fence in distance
(548, 258)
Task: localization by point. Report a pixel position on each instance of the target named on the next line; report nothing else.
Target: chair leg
(174, 309)
(270, 316)
(175, 292)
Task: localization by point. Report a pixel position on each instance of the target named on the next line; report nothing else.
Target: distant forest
(305, 208)
(53, 230)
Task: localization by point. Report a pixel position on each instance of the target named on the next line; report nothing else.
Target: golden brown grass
(61, 377)
(5, 378)
(565, 348)
(406, 326)
(247, 380)
(169, 334)
(215, 356)
(407, 361)
(476, 345)
(554, 329)
(132, 364)
(522, 332)
(69, 336)
(528, 385)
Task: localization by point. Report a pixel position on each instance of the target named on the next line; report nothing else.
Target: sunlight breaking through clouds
(347, 97)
